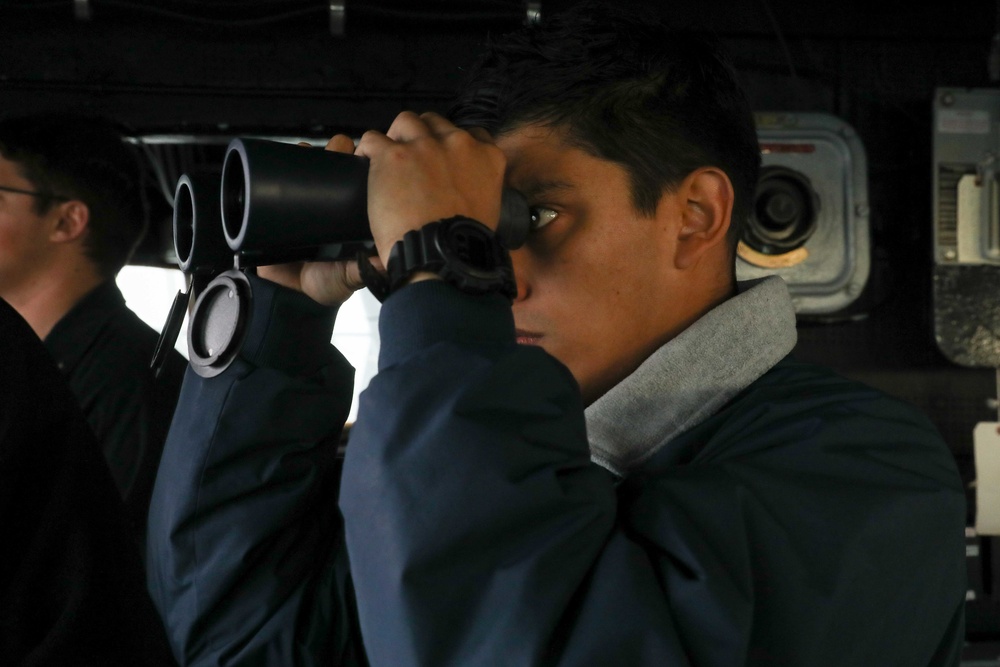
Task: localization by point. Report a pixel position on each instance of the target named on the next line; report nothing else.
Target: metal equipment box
(810, 223)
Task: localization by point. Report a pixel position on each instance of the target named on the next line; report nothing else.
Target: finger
(340, 143)
(481, 133)
(330, 283)
(287, 275)
(371, 143)
(352, 275)
(407, 126)
(438, 124)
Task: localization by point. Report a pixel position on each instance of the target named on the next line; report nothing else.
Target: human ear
(706, 197)
(74, 217)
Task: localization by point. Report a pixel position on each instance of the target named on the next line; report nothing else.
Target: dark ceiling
(200, 65)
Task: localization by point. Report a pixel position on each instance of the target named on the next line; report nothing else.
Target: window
(149, 292)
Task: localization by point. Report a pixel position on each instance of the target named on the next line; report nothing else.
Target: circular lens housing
(785, 211)
(234, 195)
(183, 222)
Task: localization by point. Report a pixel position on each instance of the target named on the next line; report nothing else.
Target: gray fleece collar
(692, 375)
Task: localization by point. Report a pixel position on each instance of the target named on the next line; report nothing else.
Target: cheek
(17, 246)
(10, 240)
(584, 289)
(607, 321)
(11, 260)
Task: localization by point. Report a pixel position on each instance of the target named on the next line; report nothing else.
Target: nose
(519, 262)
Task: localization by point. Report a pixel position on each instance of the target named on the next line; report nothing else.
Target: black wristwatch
(463, 251)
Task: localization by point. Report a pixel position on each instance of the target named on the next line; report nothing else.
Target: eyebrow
(538, 189)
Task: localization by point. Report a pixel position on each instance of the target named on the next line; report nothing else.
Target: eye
(541, 216)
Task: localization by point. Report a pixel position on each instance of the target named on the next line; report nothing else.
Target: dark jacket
(72, 588)
(810, 521)
(105, 350)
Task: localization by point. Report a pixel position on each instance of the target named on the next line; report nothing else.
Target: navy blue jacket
(811, 521)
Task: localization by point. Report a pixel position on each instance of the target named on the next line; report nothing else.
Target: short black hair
(628, 88)
(87, 158)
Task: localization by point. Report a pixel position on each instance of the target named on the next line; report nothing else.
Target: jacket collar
(693, 375)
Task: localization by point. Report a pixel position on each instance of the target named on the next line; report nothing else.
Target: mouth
(527, 337)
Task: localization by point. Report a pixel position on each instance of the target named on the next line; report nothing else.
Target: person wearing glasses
(71, 215)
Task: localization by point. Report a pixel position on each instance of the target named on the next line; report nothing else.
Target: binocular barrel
(283, 201)
(280, 202)
(199, 243)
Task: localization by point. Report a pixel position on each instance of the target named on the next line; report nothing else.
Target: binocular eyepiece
(279, 202)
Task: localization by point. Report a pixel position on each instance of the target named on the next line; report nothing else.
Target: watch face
(462, 251)
(469, 243)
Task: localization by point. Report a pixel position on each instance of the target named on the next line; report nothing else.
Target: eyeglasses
(34, 193)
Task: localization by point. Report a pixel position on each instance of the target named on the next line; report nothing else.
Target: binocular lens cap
(219, 323)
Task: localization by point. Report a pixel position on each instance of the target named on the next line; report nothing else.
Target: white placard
(986, 449)
(963, 121)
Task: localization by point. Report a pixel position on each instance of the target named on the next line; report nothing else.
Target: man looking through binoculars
(611, 458)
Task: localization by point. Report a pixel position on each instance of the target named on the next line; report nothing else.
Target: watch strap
(375, 280)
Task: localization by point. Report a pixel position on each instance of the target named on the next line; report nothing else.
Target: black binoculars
(278, 202)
